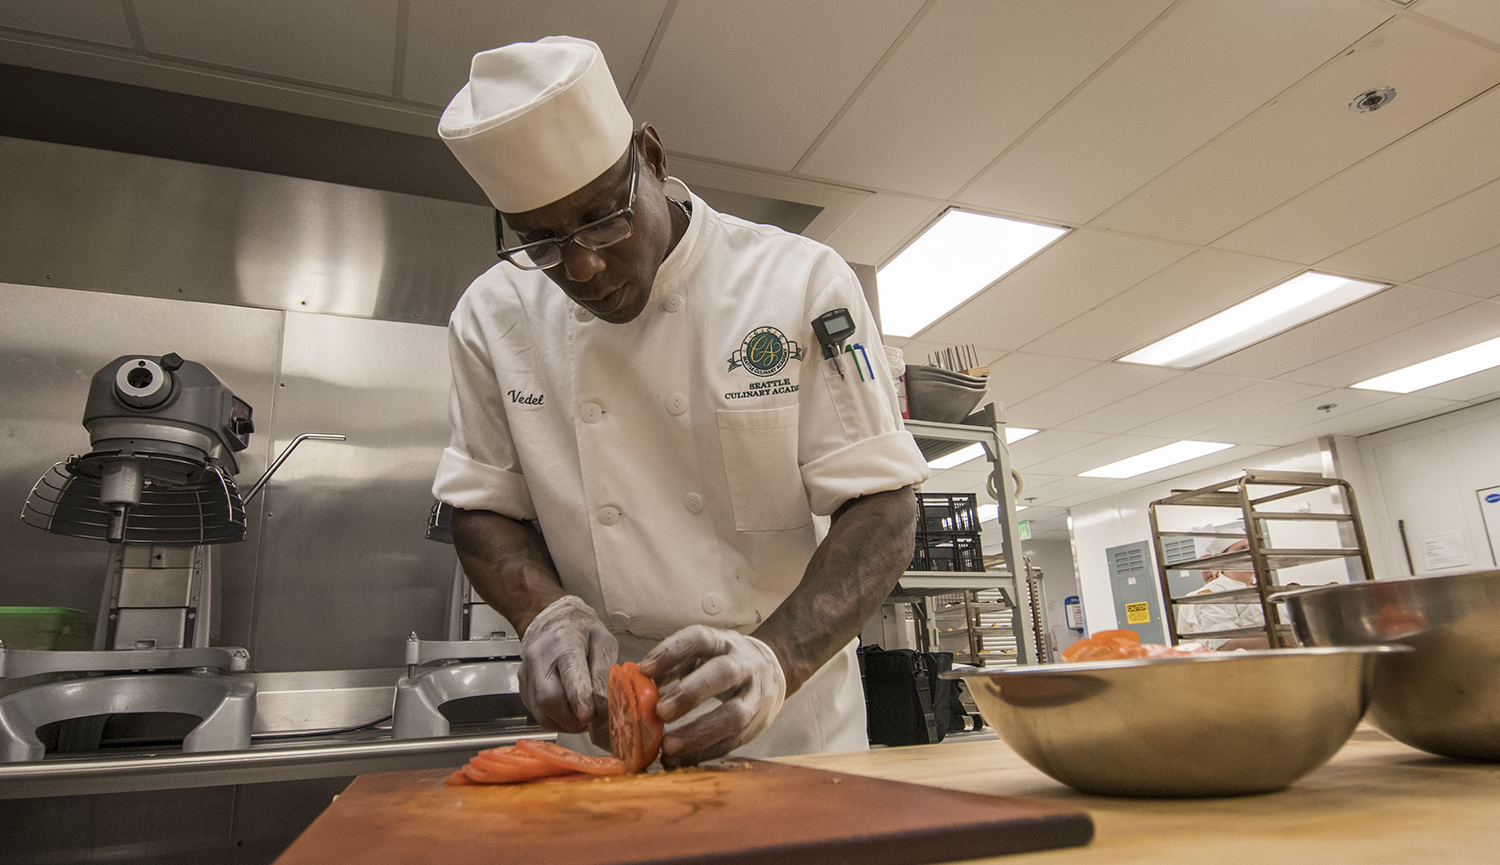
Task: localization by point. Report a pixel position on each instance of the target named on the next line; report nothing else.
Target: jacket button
(582, 314)
(693, 502)
(673, 303)
(676, 404)
(713, 604)
(619, 619)
(590, 412)
(609, 515)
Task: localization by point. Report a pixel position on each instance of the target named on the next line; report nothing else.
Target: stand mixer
(158, 486)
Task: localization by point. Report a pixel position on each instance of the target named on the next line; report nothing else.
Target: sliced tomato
(520, 767)
(1116, 635)
(459, 779)
(635, 730)
(569, 759)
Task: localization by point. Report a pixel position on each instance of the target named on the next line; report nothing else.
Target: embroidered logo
(525, 398)
(764, 352)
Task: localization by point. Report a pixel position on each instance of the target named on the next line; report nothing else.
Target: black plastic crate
(947, 513)
(948, 551)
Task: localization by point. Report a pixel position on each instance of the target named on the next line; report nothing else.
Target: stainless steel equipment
(1445, 696)
(1215, 724)
(481, 657)
(158, 485)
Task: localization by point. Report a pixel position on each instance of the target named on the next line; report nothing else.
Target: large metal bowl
(1205, 725)
(1445, 696)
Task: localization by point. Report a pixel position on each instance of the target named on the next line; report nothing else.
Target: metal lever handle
(286, 452)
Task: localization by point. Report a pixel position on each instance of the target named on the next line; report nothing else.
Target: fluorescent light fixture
(1454, 364)
(1274, 310)
(973, 451)
(1014, 434)
(1151, 460)
(989, 513)
(951, 262)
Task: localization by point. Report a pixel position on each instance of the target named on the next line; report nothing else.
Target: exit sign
(1025, 530)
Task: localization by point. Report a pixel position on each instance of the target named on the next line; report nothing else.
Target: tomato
(635, 731)
(1116, 636)
(569, 759)
(516, 766)
(459, 779)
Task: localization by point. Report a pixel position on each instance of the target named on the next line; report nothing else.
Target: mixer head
(163, 433)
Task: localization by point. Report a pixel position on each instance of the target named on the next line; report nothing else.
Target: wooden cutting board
(745, 812)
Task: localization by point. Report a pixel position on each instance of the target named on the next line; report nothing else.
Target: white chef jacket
(675, 462)
(1199, 618)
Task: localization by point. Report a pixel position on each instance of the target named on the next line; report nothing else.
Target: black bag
(905, 702)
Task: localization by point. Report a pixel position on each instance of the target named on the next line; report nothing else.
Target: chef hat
(537, 121)
(1206, 547)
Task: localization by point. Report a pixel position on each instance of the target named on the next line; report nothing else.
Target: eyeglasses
(598, 234)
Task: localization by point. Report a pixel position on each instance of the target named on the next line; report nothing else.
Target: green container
(46, 628)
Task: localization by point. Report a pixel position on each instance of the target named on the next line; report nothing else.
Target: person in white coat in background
(639, 379)
(1205, 618)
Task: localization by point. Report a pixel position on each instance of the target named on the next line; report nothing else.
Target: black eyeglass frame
(575, 236)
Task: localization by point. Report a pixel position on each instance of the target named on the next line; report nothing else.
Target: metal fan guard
(206, 511)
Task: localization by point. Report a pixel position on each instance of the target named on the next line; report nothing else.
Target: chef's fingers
(577, 682)
(675, 656)
(715, 734)
(548, 702)
(715, 677)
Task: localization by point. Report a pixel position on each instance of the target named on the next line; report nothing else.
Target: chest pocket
(760, 457)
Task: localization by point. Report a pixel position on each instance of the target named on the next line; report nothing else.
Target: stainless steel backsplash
(321, 305)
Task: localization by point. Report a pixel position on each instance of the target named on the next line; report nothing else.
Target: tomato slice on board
(459, 779)
(569, 759)
(518, 767)
(635, 731)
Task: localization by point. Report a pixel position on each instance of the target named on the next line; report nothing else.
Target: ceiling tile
(442, 37)
(881, 225)
(89, 20)
(1250, 402)
(1068, 278)
(1456, 330)
(967, 81)
(1193, 75)
(1429, 242)
(1065, 491)
(1085, 392)
(1444, 159)
(757, 83)
(1181, 294)
(1259, 428)
(1308, 134)
(1391, 311)
(1174, 395)
(1020, 375)
(1048, 444)
(1478, 274)
(1381, 416)
(1480, 17)
(350, 44)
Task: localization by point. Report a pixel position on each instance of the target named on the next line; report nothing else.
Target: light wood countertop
(1377, 802)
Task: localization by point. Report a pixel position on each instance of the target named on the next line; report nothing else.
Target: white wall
(1426, 475)
(1059, 580)
(1123, 519)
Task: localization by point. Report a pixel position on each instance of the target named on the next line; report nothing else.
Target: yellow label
(1137, 614)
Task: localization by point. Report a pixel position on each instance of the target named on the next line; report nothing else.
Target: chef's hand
(566, 654)
(699, 662)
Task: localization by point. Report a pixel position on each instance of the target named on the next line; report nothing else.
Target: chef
(1202, 618)
(653, 454)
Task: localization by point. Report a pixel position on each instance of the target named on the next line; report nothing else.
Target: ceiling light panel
(1454, 364)
(951, 262)
(1277, 309)
(1167, 455)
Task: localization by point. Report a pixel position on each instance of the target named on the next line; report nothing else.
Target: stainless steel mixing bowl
(1445, 696)
(1216, 724)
